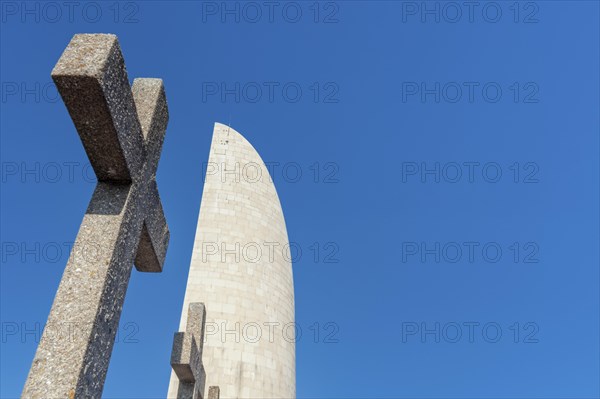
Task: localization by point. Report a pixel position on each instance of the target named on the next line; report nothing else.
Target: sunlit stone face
(241, 271)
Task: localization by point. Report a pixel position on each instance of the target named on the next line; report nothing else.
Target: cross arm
(154, 239)
(92, 68)
(187, 346)
(153, 114)
(186, 356)
(186, 360)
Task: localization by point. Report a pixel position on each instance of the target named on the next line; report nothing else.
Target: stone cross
(186, 357)
(122, 129)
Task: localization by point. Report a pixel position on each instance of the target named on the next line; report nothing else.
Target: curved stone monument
(241, 271)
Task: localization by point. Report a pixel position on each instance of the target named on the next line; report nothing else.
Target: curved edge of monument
(241, 271)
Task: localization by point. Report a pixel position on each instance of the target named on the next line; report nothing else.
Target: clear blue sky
(478, 133)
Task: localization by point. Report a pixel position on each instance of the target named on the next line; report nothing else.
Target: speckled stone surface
(213, 392)
(106, 117)
(186, 356)
(122, 130)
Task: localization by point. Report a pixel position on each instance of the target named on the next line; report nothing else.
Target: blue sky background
(370, 134)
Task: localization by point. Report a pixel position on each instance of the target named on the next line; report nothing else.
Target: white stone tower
(242, 271)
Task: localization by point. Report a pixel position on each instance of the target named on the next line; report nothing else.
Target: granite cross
(186, 357)
(122, 129)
